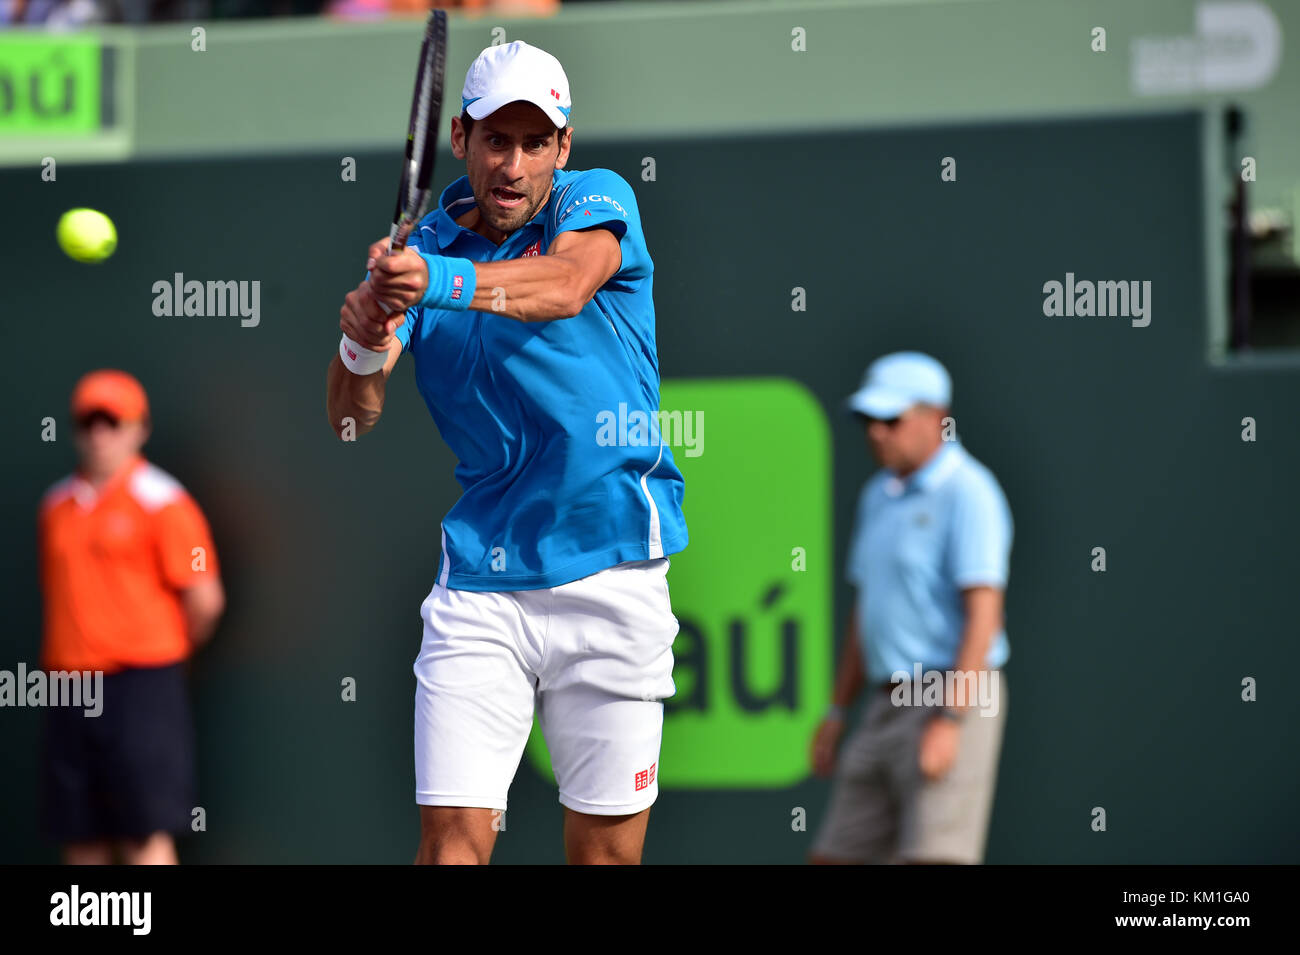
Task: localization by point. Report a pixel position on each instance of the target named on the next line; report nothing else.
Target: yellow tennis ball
(87, 235)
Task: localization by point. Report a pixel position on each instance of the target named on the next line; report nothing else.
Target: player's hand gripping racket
(422, 135)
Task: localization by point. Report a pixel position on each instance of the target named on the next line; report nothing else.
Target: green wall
(1126, 684)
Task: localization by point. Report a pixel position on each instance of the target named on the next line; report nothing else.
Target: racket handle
(396, 242)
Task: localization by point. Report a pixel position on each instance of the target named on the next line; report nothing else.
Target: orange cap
(113, 391)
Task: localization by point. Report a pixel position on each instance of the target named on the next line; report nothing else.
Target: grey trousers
(882, 809)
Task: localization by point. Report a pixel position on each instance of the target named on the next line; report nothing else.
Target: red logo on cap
(555, 94)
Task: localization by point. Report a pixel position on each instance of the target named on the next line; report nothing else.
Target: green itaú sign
(752, 591)
(49, 83)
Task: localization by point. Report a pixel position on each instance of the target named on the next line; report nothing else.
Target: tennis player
(525, 300)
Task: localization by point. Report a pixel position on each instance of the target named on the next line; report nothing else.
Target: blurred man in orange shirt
(131, 588)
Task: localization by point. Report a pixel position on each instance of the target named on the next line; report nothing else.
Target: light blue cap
(893, 383)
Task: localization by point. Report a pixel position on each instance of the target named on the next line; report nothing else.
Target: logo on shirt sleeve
(583, 200)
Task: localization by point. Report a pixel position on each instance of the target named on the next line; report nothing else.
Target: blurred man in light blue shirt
(929, 557)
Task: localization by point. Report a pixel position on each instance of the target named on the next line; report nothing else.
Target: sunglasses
(88, 421)
(890, 423)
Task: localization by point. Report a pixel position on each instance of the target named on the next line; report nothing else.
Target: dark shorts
(126, 773)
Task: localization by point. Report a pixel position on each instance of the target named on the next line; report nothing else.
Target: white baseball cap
(510, 72)
(895, 382)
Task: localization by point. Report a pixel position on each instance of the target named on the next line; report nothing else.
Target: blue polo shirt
(560, 476)
(917, 543)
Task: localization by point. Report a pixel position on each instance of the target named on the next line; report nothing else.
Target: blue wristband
(451, 282)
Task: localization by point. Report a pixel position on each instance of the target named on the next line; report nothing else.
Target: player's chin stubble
(506, 222)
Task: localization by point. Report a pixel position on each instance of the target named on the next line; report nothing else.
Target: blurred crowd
(75, 13)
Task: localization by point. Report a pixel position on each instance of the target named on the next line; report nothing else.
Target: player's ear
(458, 138)
(566, 143)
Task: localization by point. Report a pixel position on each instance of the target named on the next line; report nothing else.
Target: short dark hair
(468, 122)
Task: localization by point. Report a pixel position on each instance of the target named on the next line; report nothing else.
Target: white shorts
(593, 656)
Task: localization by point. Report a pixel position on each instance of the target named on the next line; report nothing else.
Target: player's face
(104, 443)
(904, 443)
(511, 157)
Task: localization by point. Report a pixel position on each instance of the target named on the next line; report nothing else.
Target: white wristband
(360, 359)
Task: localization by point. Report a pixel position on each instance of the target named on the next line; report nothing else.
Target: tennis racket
(422, 134)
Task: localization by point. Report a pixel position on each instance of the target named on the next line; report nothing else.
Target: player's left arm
(188, 561)
(539, 288)
(555, 285)
(983, 619)
(983, 615)
(203, 604)
(980, 555)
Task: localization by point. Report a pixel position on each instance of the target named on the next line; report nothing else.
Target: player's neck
(903, 474)
(98, 479)
(475, 222)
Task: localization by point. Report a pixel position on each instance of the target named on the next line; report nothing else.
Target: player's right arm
(360, 398)
(850, 677)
